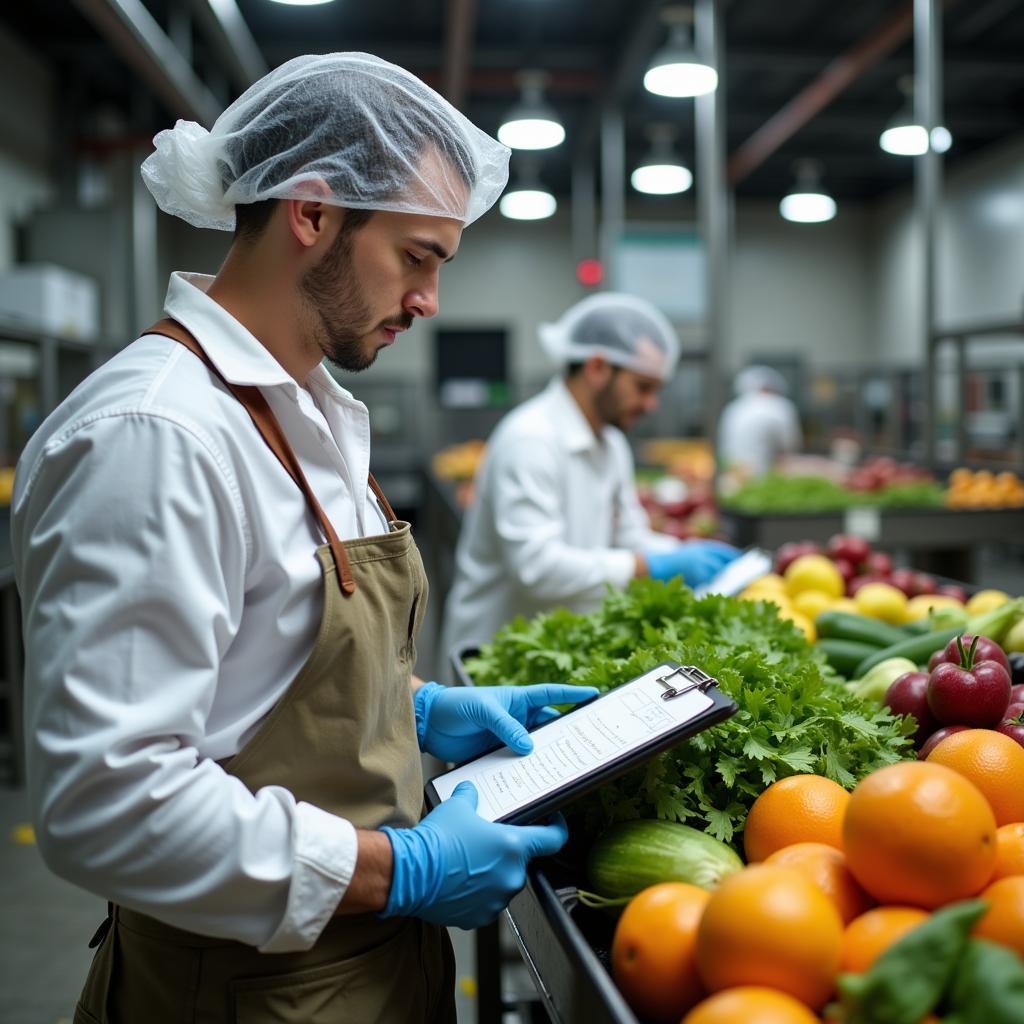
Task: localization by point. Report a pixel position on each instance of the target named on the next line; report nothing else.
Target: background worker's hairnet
(760, 378)
(342, 128)
(625, 330)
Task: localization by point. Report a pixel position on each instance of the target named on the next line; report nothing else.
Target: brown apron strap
(270, 430)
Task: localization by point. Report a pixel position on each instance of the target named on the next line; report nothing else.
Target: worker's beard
(341, 317)
(608, 405)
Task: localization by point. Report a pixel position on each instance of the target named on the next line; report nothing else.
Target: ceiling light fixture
(303, 3)
(903, 136)
(662, 172)
(808, 203)
(675, 70)
(532, 123)
(528, 199)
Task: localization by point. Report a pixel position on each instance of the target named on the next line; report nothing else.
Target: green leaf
(988, 986)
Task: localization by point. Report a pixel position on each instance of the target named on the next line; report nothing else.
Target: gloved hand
(455, 723)
(455, 868)
(696, 561)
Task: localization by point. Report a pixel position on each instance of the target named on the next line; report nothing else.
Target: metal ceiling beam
(222, 23)
(460, 24)
(837, 75)
(134, 34)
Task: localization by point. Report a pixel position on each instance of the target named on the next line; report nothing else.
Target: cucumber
(845, 655)
(917, 648)
(633, 855)
(848, 626)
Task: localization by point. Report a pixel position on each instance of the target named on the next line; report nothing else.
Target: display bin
(940, 540)
(564, 945)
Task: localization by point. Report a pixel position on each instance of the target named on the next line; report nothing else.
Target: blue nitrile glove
(455, 868)
(455, 723)
(696, 561)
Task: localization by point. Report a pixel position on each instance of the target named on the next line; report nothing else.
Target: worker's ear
(310, 221)
(597, 371)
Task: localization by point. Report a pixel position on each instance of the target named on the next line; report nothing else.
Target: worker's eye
(412, 259)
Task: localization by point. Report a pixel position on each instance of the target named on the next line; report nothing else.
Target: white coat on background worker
(760, 425)
(556, 517)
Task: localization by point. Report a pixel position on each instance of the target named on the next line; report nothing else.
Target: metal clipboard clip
(696, 679)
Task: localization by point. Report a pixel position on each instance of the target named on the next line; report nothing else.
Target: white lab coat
(756, 430)
(171, 594)
(555, 520)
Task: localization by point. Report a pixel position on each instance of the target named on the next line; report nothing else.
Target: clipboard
(734, 577)
(590, 745)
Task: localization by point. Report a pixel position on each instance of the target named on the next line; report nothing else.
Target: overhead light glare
(808, 203)
(303, 3)
(531, 123)
(675, 70)
(527, 204)
(903, 136)
(661, 179)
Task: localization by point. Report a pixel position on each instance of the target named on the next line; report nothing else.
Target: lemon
(882, 601)
(770, 581)
(844, 604)
(813, 572)
(812, 603)
(985, 600)
(918, 607)
(801, 622)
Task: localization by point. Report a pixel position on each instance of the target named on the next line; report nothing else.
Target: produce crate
(565, 946)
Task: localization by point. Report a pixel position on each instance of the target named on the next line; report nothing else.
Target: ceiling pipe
(458, 50)
(837, 76)
(134, 34)
(222, 23)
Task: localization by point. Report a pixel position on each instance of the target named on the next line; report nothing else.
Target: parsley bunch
(793, 717)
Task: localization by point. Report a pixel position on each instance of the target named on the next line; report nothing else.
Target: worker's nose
(422, 299)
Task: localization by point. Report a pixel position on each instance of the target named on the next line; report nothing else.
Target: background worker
(225, 732)
(760, 425)
(556, 517)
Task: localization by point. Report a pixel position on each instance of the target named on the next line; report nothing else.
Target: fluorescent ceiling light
(808, 207)
(303, 3)
(903, 136)
(808, 203)
(661, 179)
(531, 123)
(527, 204)
(675, 69)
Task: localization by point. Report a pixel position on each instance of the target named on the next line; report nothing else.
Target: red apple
(879, 563)
(846, 568)
(849, 546)
(985, 650)
(937, 737)
(924, 584)
(908, 695)
(952, 590)
(977, 694)
(936, 659)
(1013, 728)
(903, 579)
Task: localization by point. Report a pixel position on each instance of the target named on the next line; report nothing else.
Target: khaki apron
(342, 737)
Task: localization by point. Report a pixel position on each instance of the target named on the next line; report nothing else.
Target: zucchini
(917, 648)
(845, 655)
(848, 626)
(633, 855)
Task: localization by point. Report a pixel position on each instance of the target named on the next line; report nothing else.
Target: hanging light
(531, 123)
(527, 199)
(662, 172)
(675, 70)
(303, 3)
(903, 136)
(808, 203)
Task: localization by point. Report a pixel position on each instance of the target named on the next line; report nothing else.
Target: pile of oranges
(833, 879)
(984, 489)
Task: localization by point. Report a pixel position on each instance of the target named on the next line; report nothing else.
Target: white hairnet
(625, 330)
(343, 128)
(760, 378)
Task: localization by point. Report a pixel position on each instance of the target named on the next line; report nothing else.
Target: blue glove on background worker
(697, 561)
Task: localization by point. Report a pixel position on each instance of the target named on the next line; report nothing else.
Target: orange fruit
(1009, 850)
(750, 1004)
(797, 809)
(867, 937)
(825, 866)
(767, 925)
(993, 762)
(653, 959)
(1004, 920)
(919, 833)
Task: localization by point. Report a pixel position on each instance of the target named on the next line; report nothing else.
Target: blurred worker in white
(556, 517)
(760, 425)
(225, 731)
